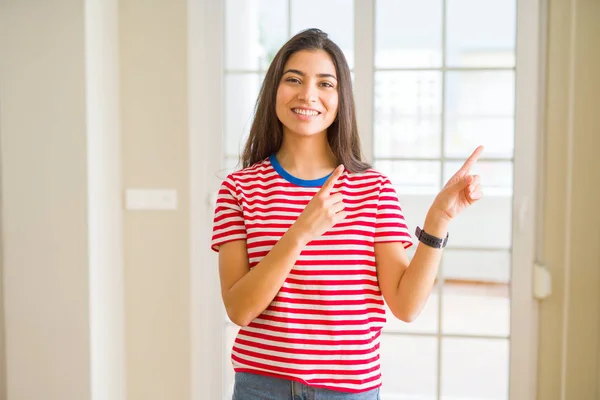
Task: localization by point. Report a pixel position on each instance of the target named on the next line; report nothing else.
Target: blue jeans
(250, 386)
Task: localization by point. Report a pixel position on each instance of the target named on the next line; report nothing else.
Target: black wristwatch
(430, 240)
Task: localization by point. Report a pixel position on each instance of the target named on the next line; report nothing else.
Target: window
(443, 76)
(443, 84)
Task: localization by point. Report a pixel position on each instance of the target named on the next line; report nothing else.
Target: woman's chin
(304, 131)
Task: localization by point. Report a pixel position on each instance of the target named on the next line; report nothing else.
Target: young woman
(312, 240)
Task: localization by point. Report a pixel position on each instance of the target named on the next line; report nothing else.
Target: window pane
(481, 33)
(480, 110)
(407, 114)
(230, 164)
(412, 177)
(470, 230)
(241, 91)
(255, 30)
(496, 177)
(486, 223)
(335, 17)
(408, 33)
(427, 322)
(409, 367)
(476, 298)
(476, 308)
(477, 265)
(474, 369)
(415, 208)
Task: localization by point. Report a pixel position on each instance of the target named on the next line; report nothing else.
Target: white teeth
(305, 112)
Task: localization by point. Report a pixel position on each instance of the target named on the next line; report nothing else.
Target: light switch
(151, 199)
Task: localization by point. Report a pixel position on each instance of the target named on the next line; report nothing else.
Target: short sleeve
(228, 224)
(390, 225)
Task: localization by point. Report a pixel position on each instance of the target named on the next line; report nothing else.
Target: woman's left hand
(460, 191)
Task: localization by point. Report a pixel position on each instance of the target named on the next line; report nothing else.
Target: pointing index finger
(330, 182)
(466, 168)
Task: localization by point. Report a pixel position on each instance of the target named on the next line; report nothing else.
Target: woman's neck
(307, 157)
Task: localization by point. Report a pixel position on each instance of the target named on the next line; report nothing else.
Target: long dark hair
(266, 134)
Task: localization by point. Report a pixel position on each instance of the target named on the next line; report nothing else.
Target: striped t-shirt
(324, 325)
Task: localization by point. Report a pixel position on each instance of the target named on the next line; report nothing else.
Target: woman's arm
(247, 293)
(406, 286)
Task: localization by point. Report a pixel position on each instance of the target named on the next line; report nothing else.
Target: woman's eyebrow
(295, 71)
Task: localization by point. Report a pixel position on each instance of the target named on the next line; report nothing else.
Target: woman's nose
(308, 93)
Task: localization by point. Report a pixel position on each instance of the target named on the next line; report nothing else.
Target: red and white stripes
(323, 327)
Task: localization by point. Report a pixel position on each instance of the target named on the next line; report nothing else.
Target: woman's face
(307, 96)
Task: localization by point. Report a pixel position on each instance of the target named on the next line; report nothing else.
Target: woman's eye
(293, 80)
(326, 84)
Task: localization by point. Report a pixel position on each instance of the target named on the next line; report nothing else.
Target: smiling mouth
(310, 113)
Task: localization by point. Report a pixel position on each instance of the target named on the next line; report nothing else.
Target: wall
(570, 319)
(2, 324)
(65, 161)
(44, 199)
(153, 67)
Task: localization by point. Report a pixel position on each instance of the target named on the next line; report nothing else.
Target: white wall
(61, 200)
(155, 154)
(569, 341)
(2, 324)
(45, 232)
(73, 134)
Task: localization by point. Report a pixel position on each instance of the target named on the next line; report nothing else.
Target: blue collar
(292, 179)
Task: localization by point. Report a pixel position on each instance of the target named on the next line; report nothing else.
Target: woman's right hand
(322, 212)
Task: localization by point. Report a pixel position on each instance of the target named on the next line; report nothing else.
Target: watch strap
(430, 240)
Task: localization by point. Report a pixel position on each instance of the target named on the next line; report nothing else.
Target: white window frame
(206, 77)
